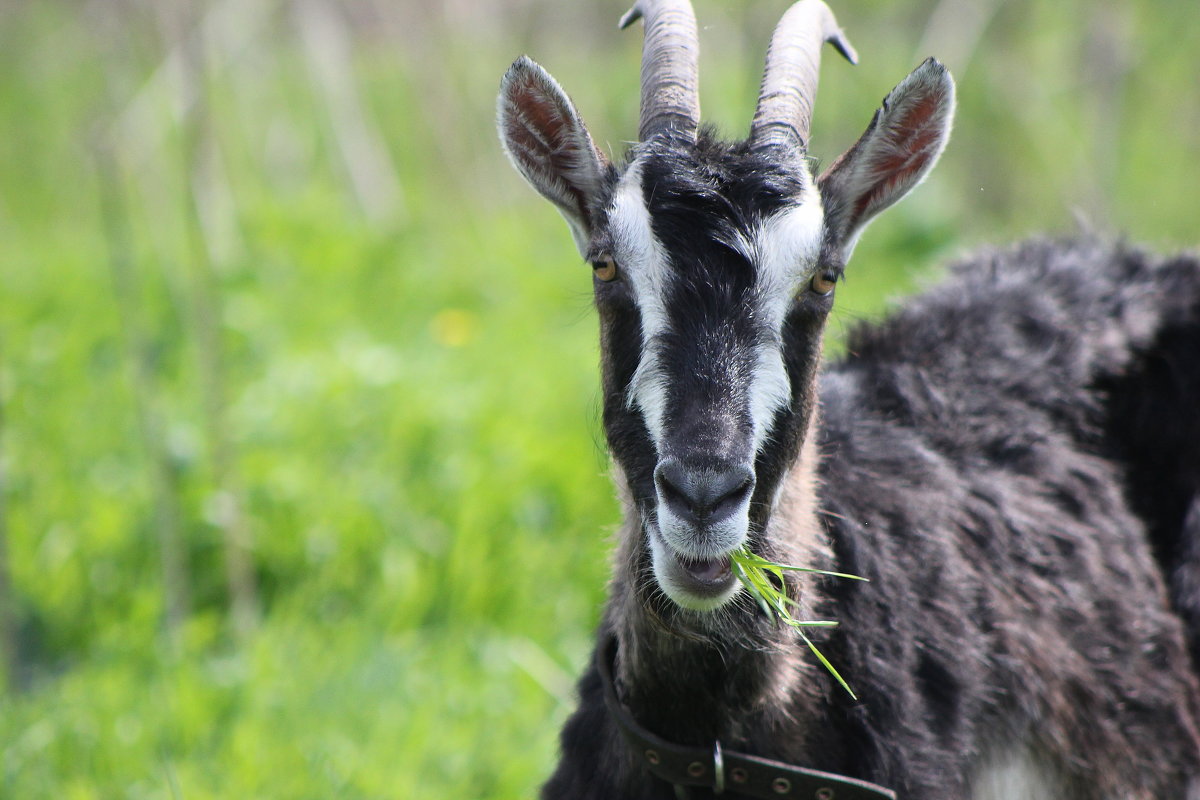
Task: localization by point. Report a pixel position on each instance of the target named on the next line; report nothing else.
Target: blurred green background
(302, 488)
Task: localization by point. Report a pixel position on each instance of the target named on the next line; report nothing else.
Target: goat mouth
(716, 572)
(698, 584)
(701, 584)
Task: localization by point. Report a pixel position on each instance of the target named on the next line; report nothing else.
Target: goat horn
(789, 84)
(670, 67)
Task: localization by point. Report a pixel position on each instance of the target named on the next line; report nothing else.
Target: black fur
(1014, 461)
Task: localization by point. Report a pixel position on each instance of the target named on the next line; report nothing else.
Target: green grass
(763, 580)
(407, 377)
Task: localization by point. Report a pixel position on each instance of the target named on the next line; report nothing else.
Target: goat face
(713, 250)
(713, 269)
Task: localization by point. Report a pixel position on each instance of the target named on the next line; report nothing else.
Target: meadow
(302, 487)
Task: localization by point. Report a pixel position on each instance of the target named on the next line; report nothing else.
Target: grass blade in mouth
(754, 572)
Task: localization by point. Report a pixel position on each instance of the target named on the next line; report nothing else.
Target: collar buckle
(718, 768)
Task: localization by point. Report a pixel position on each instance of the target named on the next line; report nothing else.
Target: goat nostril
(670, 479)
(702, 495)
(733, 499)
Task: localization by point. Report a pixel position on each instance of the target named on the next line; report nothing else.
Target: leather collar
(719, 769)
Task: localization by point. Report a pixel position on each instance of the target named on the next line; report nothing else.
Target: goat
(1013, 460)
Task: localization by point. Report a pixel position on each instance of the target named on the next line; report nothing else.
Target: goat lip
(699, 584)
(706, 573)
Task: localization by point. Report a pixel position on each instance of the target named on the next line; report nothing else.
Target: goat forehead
(694, 243)
(720, 178)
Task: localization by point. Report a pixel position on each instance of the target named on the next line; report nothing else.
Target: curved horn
(789, 85)
(670, 66)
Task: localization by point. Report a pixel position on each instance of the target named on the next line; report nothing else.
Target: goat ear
(893, 155)
(549, 145)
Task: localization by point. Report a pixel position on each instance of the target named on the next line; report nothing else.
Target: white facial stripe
(770, 390)
(788, 246)
(644, 263)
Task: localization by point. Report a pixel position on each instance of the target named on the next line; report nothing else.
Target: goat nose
(702, 496)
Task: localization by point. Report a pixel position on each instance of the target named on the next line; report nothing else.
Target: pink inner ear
(909, 141)
(544, 137)
(539, 122)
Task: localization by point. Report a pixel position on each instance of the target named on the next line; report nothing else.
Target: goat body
(1013, 460)
(974, 461)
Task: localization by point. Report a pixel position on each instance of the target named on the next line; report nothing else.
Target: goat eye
(605, 268)
(823, 283)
